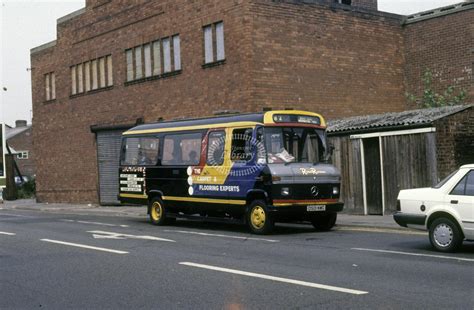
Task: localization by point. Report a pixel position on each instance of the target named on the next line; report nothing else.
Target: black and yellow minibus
(257, 168)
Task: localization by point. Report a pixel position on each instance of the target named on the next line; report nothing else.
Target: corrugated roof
(387, 120)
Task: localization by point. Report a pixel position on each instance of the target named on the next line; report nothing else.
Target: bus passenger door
(244, 168)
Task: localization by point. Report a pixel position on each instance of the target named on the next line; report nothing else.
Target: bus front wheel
(259, 219)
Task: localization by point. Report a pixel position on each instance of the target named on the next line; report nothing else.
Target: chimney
(20, 123)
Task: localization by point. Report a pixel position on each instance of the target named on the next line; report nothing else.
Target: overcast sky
(28, 23)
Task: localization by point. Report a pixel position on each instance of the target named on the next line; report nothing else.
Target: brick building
(20, 142)
(116, 62)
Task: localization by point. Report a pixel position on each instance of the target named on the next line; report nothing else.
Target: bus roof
(231, 120)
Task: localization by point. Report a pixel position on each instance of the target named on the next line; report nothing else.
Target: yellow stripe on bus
(195, 127)
(208, 200)
(138, 196)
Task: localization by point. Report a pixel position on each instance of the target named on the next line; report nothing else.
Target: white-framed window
(22, 155)
(214, 46)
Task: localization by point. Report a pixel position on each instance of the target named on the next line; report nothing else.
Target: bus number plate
(314, 208)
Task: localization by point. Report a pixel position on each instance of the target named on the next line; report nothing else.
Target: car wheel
(324, 222)
(157, 212)
(445, 235)
(259, 219)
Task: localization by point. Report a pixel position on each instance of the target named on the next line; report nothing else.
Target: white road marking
(98, 234)
(218, 235)
(415, 254)
(16, 215)
(95, 223)
(277, 279)
(84, 246)
(7, 233)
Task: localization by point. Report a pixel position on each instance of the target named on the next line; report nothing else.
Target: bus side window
(241, 149)
(215, 148)
(181, 149)
(142, 151)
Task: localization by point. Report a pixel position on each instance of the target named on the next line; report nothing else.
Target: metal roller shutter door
(108, 154)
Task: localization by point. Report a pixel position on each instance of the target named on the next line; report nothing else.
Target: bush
(27, 189)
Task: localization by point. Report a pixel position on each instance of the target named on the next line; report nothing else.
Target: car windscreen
(294, 145)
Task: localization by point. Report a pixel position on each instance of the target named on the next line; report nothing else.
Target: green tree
(432, 99)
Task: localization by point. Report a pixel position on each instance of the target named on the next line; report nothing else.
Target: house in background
(19, 140)
(379, 155)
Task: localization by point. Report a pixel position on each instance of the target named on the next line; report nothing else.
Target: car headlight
(285, 191)
(335, 190)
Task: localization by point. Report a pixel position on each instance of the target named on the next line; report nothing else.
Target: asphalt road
(58, 261)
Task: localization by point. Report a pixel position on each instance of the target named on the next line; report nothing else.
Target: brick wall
(67, 160)
(367, 4)
(445, 46)
(24, 142)
(339, 62)
(455, 141)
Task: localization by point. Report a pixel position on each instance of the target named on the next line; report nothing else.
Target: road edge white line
(277, 279)
(7, 233)
(78, 245)
(413, 254)
(218, 235)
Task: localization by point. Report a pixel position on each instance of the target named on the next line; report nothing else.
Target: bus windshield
(294, 145)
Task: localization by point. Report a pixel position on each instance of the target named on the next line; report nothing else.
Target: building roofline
(438, 12)
(70, 16)
(348, 8)
(43, 47)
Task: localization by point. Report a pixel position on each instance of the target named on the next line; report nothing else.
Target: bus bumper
(301, 211)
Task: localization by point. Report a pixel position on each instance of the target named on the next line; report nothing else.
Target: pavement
(344, 220)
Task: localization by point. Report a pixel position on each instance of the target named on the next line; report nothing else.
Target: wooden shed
(379, 155)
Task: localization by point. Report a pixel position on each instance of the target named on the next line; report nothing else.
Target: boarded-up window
(102, 72)
(166, 55)
(110, 74)
(138, 62)
(130, 74)
(80, 79)
(147, 55)
(94, 74)
(87, 75)
(177, 52)
(208, 45)
(220, 41)
(47, 87)
(156, 58)
(53, 85)
(73, 80)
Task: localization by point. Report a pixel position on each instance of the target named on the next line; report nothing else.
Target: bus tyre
(157, 212)
(324, 222)
(259, 219)
(445, 235)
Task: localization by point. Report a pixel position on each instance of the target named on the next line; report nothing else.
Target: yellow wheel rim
(257, 217)
(156, 211)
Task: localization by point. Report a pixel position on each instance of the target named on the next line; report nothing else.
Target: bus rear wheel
(259, 219)
(157, 212)
(324, 222)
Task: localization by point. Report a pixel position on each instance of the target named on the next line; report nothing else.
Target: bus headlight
(285, 191)
(335, 190)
